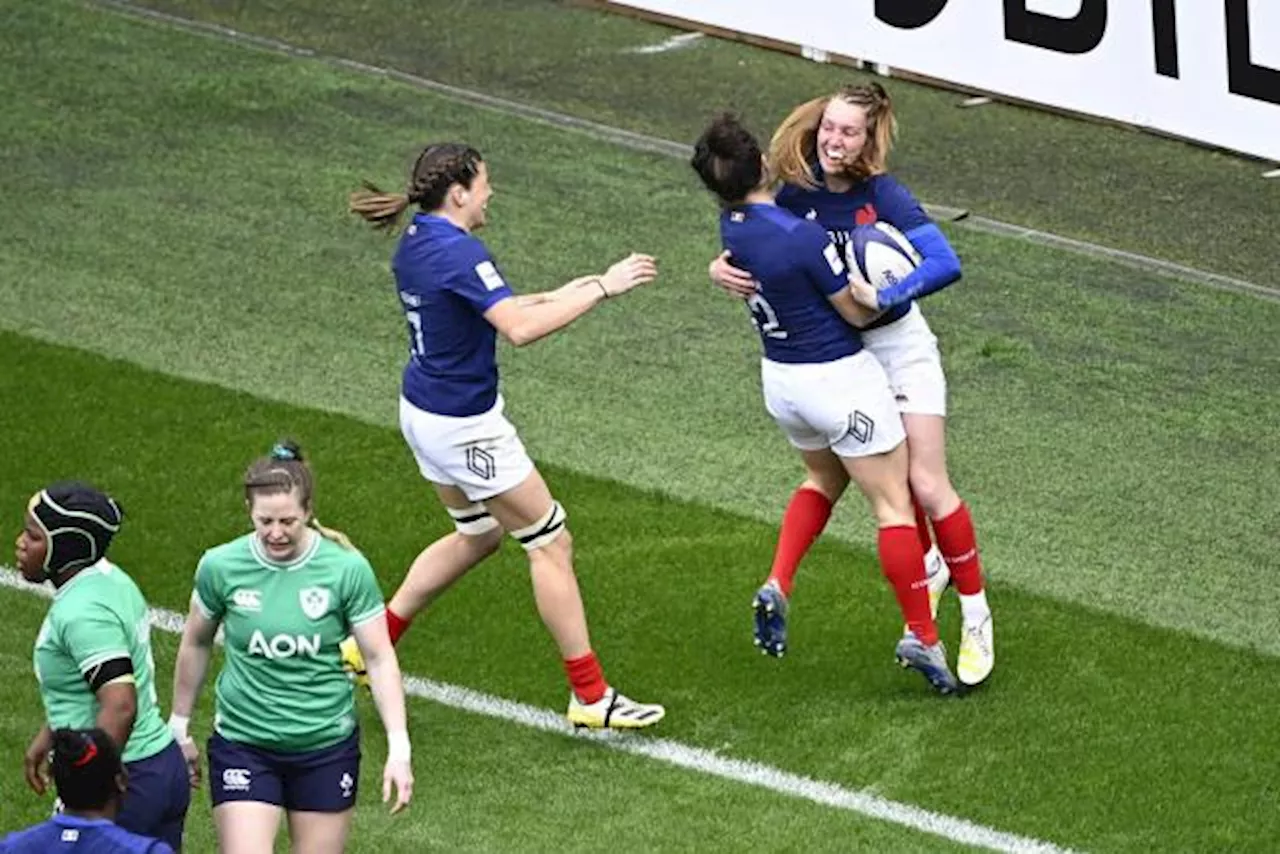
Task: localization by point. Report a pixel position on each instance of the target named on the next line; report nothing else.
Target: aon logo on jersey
(283, 646)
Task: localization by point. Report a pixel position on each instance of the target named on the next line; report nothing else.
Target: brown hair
(438, 167)
(728, 159)
(794, 146)
(282, 471)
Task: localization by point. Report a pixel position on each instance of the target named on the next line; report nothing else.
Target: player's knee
(486, 543)
(932, 490)
(551, 528)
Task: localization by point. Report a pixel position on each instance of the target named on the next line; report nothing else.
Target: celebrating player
(831, 153)
(93, 655)
(91, 781)
(285, 733)
(830, 397)
(456, 301)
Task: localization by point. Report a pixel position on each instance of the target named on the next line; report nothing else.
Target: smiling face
(842, 135)
(280, 523)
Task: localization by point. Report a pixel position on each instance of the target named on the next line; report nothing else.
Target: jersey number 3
(765, 318)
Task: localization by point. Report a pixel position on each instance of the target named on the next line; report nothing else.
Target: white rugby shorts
(843, 405)
(480, 454)
(907, 349)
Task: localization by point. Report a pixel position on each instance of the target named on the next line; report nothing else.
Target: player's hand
(863, 293)
(730, 279)
(630, 272)
(191, 753)
(399, 774)
(35, 763)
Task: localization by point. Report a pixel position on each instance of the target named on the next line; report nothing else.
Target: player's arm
(732, 280)
(939, 265)
(100, 647)
(524, 325)
(567, 289)
(366, 616)
(830, 275)
(194, 652)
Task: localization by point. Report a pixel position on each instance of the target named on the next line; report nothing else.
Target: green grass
(187, 198)
(1107, 184)
(180, 211)
(1084, 704)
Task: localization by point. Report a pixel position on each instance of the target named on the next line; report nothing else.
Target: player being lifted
(830, 396)
(831, 154)
(455, 302)
(285, 735)
(93, 655)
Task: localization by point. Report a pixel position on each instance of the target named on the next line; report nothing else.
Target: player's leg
(247, 797)
(319, 832)
(867, 433)
(320, 792)
(908, 351)
(926, 435)
(804, 520)
(538, 523)
(440, 564)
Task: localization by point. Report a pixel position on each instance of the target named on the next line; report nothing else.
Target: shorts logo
(347, 784)
(247, 600)
(481, 462)
(314, 601)
(235, 780)
(861, 427)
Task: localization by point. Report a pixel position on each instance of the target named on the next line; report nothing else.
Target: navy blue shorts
(158, 796)
(325, 780)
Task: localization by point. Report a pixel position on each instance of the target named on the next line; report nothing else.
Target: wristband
(398, 749)
(178, 725)
(603, 289)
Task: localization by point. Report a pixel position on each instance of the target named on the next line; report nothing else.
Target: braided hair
(438, 167)
(86, 768)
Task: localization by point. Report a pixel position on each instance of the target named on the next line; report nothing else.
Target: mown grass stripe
(652, 144)
(671, 752)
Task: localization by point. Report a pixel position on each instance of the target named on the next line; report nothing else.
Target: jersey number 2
(765, 318)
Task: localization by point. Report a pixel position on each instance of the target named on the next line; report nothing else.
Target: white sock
(974, 609)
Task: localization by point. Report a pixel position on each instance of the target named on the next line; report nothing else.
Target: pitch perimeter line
(671, 752)
(657, 145)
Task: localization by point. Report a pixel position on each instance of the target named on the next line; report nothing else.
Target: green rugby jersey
(96, 616)
(282, 686)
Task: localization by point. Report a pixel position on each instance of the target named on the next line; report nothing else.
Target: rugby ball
(882, 254)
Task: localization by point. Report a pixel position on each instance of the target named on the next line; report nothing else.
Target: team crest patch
(314, 601)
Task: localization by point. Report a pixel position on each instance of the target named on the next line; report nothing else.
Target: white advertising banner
(1207, 70)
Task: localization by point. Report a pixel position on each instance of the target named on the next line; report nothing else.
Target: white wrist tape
(178, 725)
(398, 749)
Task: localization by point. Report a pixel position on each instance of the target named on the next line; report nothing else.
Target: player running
(830, 396)
(91, 782)
(456, 301)
(93, 655)
(831, 153)
(285, 736)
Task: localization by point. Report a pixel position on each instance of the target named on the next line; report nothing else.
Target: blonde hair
(794, 146)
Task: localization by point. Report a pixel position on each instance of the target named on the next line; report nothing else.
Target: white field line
(685, 756)
(673, 43)
(657, 145)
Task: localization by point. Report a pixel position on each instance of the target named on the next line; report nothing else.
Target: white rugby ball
(882, 254)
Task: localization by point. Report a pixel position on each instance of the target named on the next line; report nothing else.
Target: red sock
(903, 564)
(396, 625)
(803, 521)
(960, 550)
(586, 677)
(922, 526)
